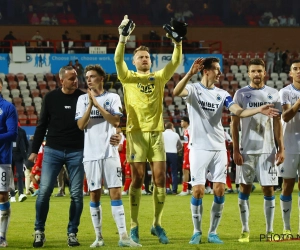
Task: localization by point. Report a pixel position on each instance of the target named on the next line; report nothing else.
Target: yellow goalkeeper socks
(134, 203)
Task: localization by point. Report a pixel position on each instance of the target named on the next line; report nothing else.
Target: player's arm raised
(180, 90)
(265, 110)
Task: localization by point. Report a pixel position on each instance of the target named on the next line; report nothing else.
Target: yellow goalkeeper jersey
(144, 93)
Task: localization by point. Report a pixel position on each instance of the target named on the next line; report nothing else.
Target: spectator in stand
(54, 20)
(185, 123)
(20, 149)
(270, 56)
(80, 74)
(285, 61)
(267, 16)
(66, 39)
(278, 61)
(282, 20)
(34, 19)
(9, 37)
(70, 64)
(263, 22)
(172, 146)
(38, 38)
(45, 19)
(292, 21)
(273, 21)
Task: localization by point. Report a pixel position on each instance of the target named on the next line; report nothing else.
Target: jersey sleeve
(228, 101)
(80, 107)
(117, 106)
(189, 88)
(284, 97)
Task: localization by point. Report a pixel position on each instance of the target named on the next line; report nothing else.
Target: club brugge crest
(270, 96)
(218, 97)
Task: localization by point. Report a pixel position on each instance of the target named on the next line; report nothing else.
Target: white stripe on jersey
(257, 131)
(205, 108)
(98, 131)
(291, 129)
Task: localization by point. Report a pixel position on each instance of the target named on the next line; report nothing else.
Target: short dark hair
(207, 64)
(141, 48)
(62, 71)
(256, 61)
(186, 119)
(295, 61)
(100, 71)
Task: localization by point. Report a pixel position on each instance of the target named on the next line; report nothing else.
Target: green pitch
(176, 221)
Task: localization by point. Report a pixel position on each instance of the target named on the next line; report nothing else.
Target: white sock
(118, 213)
(243, 202)
(269, 209)
(216, 213)
(196, 209)
(96, 215)
(4, 218)
(286, 207)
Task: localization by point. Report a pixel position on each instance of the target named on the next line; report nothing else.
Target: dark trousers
(172, 162)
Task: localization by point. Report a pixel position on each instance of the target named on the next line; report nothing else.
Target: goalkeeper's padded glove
(125, 29)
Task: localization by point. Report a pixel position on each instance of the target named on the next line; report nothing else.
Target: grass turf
(176, 221)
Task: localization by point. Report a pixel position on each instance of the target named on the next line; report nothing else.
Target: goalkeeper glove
(125, 29)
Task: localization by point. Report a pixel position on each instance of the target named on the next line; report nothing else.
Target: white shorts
(237, 174)
(288, 169)
(261, 165)
(202, 161)
(106, 172)
(5, 177)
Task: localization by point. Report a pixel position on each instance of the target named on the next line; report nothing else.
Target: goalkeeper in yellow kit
(143, 96)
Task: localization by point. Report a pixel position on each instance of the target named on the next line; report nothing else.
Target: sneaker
(196, 238)
(183, 193)
(98, 243)
(287, 235)
(134, 234)
(36, 192)
(169, 191)
(214, 238)
(124, 192)
(12, 199)
(278, 189)
(31, 190)
(244, 237)
(3, 242)
(59, 195)
(39, 239)
(207, 190)
(160, 233)
(144, 191)
(127, 242)
(22, 197)
(253, 188)
(229, 191)
(72, 240)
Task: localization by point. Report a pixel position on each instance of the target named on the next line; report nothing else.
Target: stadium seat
(12, 85)
(24, 92)
(30, 110)
(168, 100)
(112, 90)
(234, 69)
(22, 84)
(246, 77)
(287, 82)
(166, 91)
(20, 77)
(171, 107)
(5, 84)
(270, 83)
(22, 119)
(42, 84)
(5, 92)
(274, 76)
(2, 76)
(279, 84)
(239, 76)
(234, 85)
(10, 77)
(177, 100)
(243, 68)
(283, 76)
(44, 92)
(32, 85)
(29, 77)
(27, 101)
(195, 78)
(17, 101)
(32, 119)
(37, 100)
(15, 93)
(49, 77)
(52, 85)
(176, 78)
(7, 98)
(229, 77)
(35, 93)
(243, 83)
(20, 110)
(39, 77)
(225, 84)
(170, 85)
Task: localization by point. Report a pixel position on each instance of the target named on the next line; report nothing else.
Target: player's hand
(92, 99)
(238, 158)
(115, 139)
(197, 66)
(32, 157)
(279, 157)
(173, 40)
(269, 111)
(124, 22)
